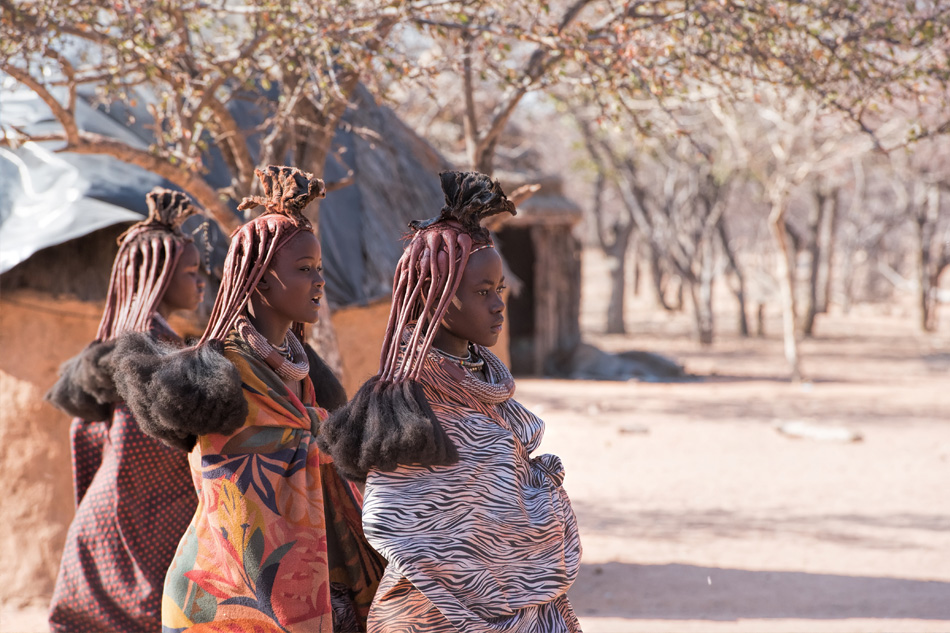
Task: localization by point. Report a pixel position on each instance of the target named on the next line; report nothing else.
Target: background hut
(542, 251)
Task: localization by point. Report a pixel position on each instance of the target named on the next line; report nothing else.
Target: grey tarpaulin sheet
(44, 201)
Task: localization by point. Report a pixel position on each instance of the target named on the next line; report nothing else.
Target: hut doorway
(542, 252)
(517, 248)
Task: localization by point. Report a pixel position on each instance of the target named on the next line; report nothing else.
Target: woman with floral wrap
(479, 535)
(276, 543)
(134, 496)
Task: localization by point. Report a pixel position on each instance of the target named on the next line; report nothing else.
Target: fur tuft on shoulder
(329, 392)
(178, 394)
(385, 425)
(85, 387)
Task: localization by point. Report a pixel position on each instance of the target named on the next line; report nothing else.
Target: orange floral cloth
(277, 532)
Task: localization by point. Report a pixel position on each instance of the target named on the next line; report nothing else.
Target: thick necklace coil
(280, 359)
(499, 387)
(471, 361)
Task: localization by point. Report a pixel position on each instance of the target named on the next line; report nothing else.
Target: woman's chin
(488, 341)
(309, 315)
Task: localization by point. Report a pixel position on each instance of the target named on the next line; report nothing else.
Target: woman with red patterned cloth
(134, 495)
(276, 544)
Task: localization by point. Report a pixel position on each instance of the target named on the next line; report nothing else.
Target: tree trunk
(656, 275)
(739, 290)
(854, 212)
(786, 281)
(618, 280)
(314, 141)
(927, 213)
(636, 267)
(322, 337)
(815, 222)
(827, 239)
(702, 294)
(680, 288)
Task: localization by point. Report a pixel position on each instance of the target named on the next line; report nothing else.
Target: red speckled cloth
(135, 498)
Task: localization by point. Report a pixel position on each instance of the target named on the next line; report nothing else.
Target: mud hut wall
(360, 331)
(37, 333)
(359, 334)
(557, 282)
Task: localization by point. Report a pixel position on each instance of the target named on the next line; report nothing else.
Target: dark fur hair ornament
(385, 424)
(389, 422)
(85, 388)
(177, 394)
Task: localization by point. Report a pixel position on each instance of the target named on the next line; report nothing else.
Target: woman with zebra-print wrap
(479, 535)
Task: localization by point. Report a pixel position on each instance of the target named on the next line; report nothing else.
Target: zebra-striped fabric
(487, 544)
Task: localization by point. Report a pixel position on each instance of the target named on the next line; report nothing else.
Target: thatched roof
(548, 205)
(395, 180)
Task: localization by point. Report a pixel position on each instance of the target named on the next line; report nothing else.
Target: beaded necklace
(279, 358)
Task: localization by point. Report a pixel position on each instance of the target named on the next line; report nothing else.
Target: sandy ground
(697, 514)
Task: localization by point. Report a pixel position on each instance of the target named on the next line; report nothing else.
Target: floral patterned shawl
(277, 532)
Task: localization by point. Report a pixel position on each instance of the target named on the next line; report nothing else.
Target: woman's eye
(483, 293)
(305, 269)
(501, 289)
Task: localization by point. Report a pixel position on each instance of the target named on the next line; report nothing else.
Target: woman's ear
(263, 285)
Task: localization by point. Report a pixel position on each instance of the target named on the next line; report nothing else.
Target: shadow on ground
(689, 592)
(886, 532)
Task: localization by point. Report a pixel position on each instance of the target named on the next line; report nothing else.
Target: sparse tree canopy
(184, 68)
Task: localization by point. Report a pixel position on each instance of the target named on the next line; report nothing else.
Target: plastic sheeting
(44, 201)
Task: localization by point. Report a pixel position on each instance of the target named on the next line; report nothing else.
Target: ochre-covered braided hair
(287, 192)
(148, 254)
(389, 421)
(430, 269)
(179, 394)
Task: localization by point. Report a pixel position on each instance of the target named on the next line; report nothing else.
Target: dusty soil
(697, 514)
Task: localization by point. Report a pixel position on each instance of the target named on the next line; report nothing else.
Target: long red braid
(389, 421)
(287, 192)
(430, 269)
(148, 254)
